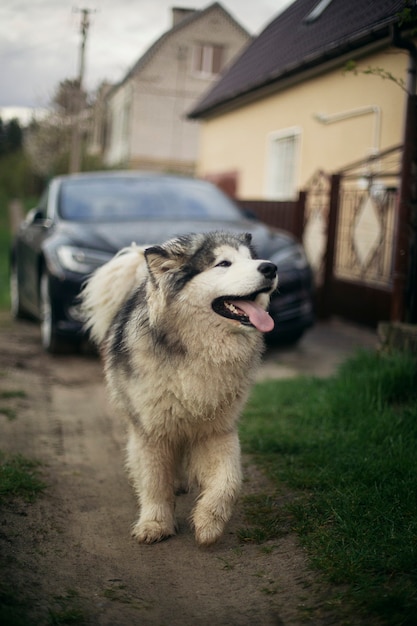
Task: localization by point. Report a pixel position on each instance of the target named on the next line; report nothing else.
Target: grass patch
(67, 609)
(7, 394)
(19, 477)
(13, 608)
(349, 445)
(5, 241)
(17, 610)
(264, 517)
(5, 244)
(9, 412)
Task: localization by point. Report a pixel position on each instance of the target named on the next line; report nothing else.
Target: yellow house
(288, 106)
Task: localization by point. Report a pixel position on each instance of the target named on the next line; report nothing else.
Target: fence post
(329, 255)
(300, 214)
(403, 308)
(16, 214)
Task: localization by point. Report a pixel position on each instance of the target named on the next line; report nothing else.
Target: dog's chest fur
(181, 392)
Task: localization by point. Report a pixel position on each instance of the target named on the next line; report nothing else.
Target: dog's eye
(224, 264)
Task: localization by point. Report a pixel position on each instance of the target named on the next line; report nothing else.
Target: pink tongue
(258, 317)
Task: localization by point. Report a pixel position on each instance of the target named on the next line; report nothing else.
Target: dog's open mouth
(245, 311)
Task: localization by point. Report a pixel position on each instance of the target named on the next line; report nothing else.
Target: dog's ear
(246, 238)
(159, 260)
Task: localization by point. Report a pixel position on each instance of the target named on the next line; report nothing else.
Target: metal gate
(350, 237)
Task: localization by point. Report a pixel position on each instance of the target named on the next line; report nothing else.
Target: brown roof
(297, 40)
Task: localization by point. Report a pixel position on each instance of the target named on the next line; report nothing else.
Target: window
(207, 59)
(317, 11)
(283, 157)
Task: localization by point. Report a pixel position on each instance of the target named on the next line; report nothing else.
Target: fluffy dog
(179, 327)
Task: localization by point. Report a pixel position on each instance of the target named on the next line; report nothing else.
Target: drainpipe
(345, 115)
(406, 44)
(404, 298)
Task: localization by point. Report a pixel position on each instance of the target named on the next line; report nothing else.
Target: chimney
(179, 14)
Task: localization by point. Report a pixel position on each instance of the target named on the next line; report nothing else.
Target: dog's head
(216, 272)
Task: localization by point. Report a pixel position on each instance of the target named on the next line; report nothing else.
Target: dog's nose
(269, 270)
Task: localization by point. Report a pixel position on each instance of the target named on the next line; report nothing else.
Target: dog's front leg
(215, 463)
(151, 468)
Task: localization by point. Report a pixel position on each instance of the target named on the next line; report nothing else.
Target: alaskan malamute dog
(179, 327)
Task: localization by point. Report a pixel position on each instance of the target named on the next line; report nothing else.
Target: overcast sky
(40, 40)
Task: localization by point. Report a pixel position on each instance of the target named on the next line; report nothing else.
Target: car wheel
(51, 341)
(15, 306)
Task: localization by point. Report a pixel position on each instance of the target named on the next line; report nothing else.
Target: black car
(82, 220)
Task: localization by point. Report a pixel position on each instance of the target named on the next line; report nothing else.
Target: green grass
(7, 394)
(265, 520)
(348, 446)
(5, 238)
(67, 609)
(19, 477)
(8, 411)
(13, 608)
(5, 243)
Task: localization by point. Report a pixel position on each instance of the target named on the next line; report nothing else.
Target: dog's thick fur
(179, 363)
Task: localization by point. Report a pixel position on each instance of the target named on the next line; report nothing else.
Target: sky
(40, 41)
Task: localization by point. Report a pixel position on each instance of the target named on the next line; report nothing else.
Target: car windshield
(116, 199)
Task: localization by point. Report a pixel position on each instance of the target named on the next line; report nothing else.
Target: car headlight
(291, 256)
(81, 260)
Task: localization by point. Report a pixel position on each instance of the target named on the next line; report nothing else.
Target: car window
(122, 199)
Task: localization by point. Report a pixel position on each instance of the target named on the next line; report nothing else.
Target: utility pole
(75, 154)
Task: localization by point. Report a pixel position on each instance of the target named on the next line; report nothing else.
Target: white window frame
(276, 188)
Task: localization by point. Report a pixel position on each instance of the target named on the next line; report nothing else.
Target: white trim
(374, 109)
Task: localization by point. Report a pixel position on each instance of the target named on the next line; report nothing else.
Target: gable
(192, 20)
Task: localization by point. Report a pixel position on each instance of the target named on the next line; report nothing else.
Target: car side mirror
(35, 215)
(249, 214)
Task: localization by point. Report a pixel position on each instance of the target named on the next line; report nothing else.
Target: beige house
(147, 126)
(288, 107)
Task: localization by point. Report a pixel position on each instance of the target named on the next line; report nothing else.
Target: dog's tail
(109, 286)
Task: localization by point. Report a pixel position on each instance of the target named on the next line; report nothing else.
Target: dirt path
(70, 553)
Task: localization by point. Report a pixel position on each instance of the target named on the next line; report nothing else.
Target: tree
(11, 136)
(46, 145)
(47, 142)
(69, 99)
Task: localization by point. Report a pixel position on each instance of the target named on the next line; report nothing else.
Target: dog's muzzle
(245, 309)
(268, 269)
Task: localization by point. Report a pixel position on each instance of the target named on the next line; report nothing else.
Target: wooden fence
(285, 215)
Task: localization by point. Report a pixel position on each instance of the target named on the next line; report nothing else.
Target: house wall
(119, 108)
(162, 92)
(238, 141)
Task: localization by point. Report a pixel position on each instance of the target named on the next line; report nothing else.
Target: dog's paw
(151, 531)
(208, 531)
